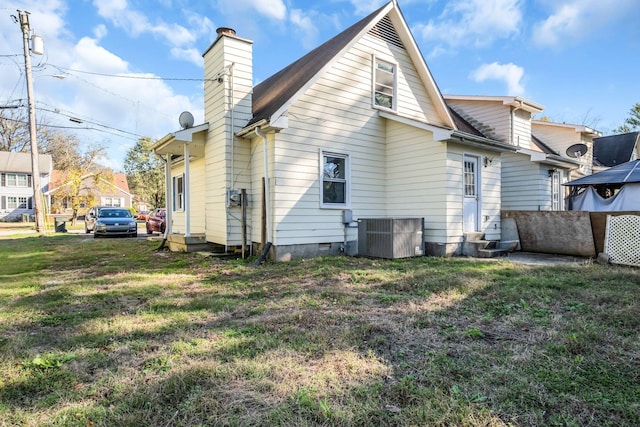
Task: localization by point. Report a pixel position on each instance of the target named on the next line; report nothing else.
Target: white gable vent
(385, 30)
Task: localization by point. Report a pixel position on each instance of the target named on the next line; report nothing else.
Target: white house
(533, 175)
(355, 129)
(16, 183)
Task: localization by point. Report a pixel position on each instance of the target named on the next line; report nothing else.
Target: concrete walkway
(533, 258)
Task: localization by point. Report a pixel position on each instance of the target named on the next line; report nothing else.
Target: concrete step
(491, 253)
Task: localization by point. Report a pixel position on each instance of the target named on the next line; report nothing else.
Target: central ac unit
(390, 237)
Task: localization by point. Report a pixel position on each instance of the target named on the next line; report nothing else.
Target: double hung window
(384, 84)
(334, 180)
(178, 193)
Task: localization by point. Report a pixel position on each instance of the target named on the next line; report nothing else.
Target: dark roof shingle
(274, 92)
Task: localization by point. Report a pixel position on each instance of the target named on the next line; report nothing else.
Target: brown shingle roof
(542, 146)
(275, 91)
(463, 125)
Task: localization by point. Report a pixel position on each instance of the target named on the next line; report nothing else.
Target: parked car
(90, 218)
(115, 222)
(157, 221)
(142, 216)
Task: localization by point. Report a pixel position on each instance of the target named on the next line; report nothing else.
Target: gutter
(480, 142)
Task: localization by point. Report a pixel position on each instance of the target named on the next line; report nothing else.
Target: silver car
(115, 222)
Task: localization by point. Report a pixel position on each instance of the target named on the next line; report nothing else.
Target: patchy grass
(111, 332)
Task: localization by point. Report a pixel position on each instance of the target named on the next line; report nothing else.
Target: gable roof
(620, 174)
(11, 161)
(278, 91)
(512, 101)
(615, 149)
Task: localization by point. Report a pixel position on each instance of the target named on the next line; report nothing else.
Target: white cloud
(510, 74)
(304, 25)
(273, 9)
(576, 19)
(136, 23)
(477, 22)
(364, 7)
(190, 55)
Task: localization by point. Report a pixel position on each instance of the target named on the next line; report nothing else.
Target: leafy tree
(632, 122)
(145, 173)
(81, 177)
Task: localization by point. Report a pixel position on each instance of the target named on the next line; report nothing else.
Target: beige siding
(345, 124)
(523, 184)
(521, 128)
(417, 178)
(489, 178)
(227, 161)
(492, 117)
(561, 137)
(197, 196)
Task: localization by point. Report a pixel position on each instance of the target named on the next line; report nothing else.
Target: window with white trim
(14, 202)
(115, 202)
(178, 193)
(334, 180)
(556, 201)
(18, 180)
(384, 84)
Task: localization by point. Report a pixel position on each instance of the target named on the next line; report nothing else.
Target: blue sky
(132, 66)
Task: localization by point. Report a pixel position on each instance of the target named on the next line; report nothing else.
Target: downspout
(267, 196)
(513, 129)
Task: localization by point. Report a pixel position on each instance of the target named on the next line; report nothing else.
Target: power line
(121, 76)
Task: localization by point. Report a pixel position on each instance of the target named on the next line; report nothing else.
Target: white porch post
(187, 210)
(168, 196)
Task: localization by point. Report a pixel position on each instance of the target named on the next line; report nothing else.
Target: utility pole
(35, 165)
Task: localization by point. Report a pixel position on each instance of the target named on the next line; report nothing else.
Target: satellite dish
(577, 150)
(186, 119)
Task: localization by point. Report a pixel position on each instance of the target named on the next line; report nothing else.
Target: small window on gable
(384, 84)
(334, 180)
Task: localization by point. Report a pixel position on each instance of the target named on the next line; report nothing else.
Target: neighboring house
(614, 150)
(533, 175)
(94, 190)
(16, 183)
(355, 129)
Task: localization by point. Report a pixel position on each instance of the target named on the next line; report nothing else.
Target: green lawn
(111, 332)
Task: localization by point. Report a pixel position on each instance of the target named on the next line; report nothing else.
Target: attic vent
(385, 30)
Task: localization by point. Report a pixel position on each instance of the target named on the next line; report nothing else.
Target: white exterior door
(471, 193)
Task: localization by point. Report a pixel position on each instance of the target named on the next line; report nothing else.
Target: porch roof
(173, 143)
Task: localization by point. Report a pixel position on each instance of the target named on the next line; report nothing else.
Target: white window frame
(17, 202)
(556, 192)
(346, 180)
(178, 193)
(374, 82)
(114, 202)
(20, 180)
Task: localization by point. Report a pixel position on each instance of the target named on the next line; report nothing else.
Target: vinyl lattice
(622, 239)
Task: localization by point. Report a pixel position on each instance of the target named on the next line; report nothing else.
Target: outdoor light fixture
(488, 161)
(551, 172)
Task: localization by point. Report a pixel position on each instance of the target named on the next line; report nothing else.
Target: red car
(157, 221)
(143, 215)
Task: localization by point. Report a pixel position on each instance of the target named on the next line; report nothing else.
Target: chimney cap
(225, 31)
